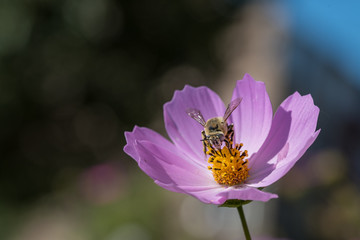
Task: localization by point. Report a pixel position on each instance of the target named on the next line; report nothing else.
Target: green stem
(243, 222)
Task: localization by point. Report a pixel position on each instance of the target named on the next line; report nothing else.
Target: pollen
(229, 164)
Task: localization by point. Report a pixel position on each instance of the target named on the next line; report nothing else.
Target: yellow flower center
(229, 165)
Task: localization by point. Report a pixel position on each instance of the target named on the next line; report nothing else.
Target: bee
(216, 130)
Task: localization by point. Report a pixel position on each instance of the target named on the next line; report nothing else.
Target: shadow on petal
(259, 163)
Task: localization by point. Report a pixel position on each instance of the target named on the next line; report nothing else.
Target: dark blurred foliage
(75, 74)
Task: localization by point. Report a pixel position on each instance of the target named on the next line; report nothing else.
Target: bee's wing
(231, 107)
(196, 115)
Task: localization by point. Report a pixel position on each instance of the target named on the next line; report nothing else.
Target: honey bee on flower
(261, 150)
(216, 130)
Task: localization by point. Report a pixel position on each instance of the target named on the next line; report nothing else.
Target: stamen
(229, 166)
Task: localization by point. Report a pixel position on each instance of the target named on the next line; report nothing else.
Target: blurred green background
(74, 75)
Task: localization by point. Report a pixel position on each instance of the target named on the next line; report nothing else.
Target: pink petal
(184, 131)
(283, 166)
(248, 193)
(218, 195)
(252, 120)
(292, 133)
(274, 143)
(141, 133)
(132, 146)
(169, 168)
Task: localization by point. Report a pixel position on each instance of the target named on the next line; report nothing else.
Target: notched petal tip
(130, 148)
(306, 98)
(316, 134)
(248, 77)
(143, 133)
(127, 149)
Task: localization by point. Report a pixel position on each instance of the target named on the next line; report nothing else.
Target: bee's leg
(230, 134)
(229, 138)
(204, 140)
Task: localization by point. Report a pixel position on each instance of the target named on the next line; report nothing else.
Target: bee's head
(215, 125)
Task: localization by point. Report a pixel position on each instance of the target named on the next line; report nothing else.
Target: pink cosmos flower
(273, 143)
